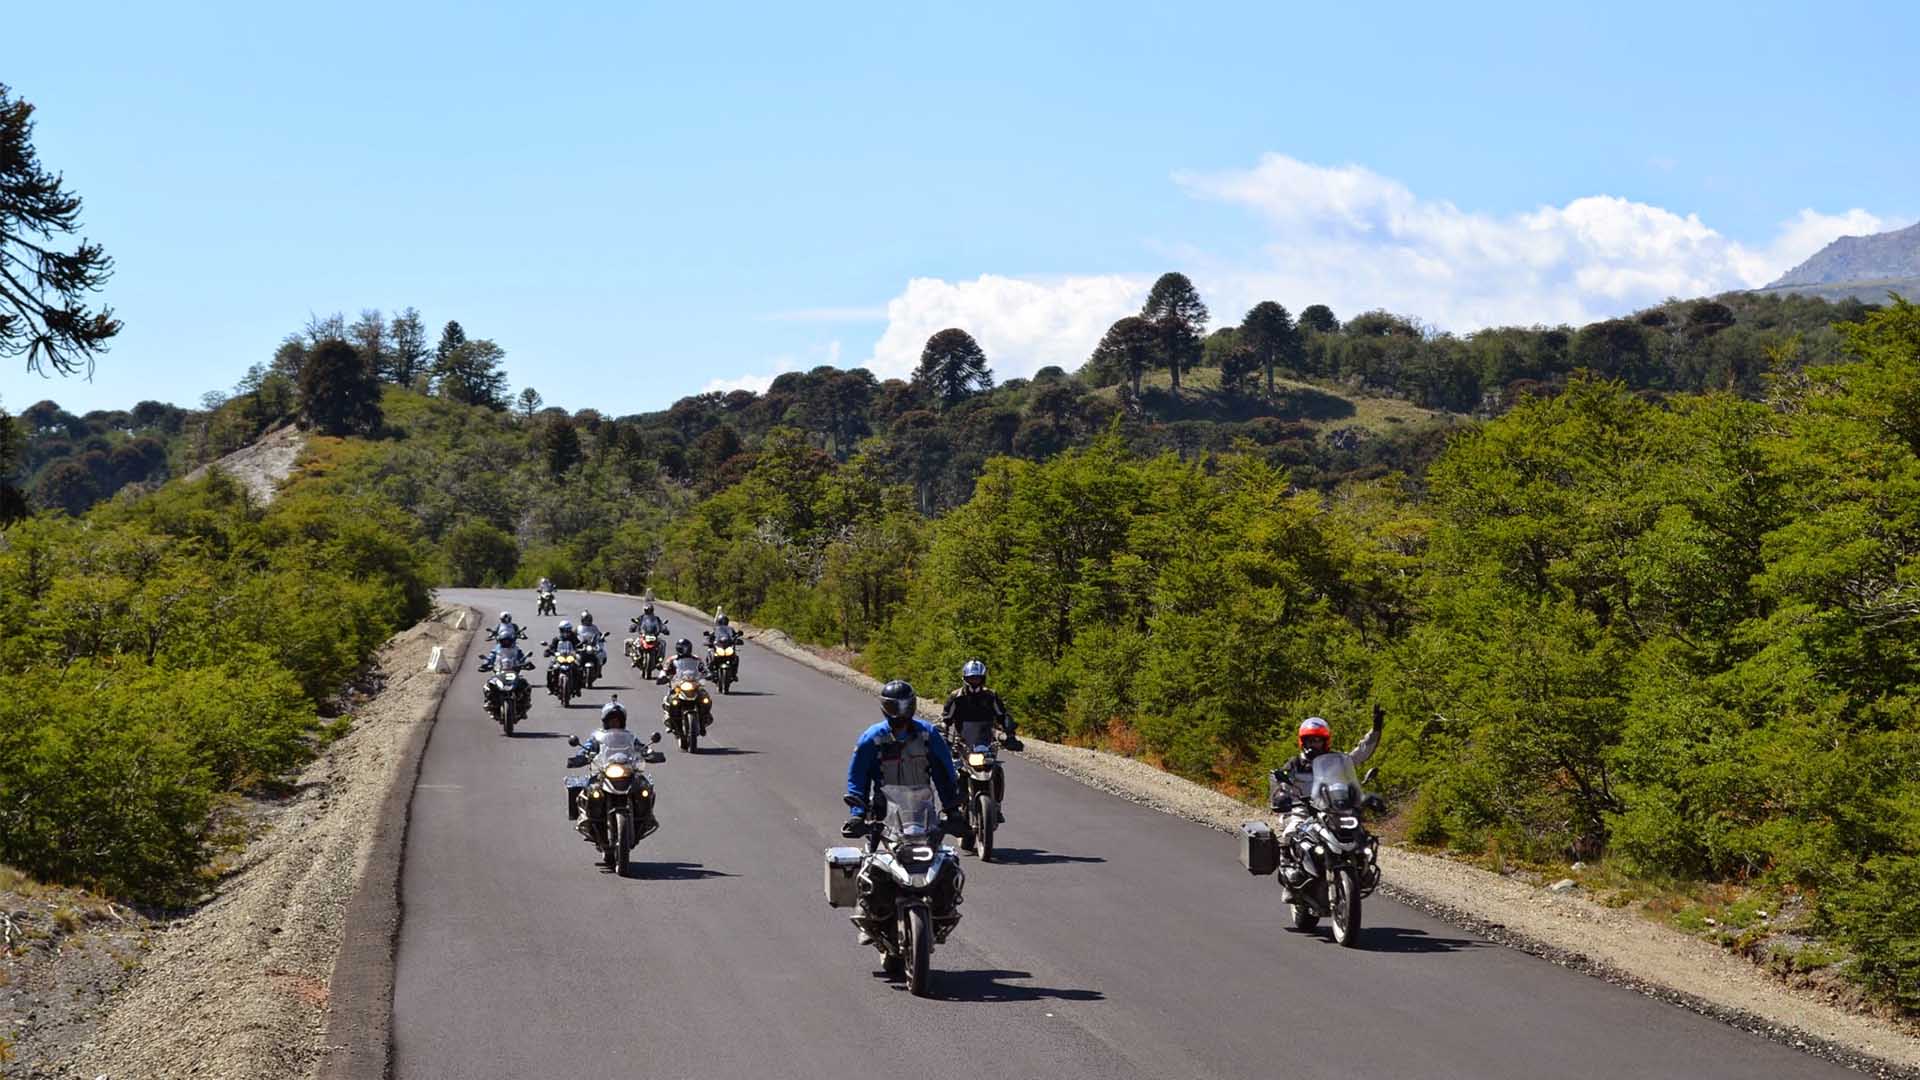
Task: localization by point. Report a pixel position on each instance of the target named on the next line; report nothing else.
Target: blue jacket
(877, 745)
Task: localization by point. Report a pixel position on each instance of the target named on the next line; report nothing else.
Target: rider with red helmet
(1287, 786)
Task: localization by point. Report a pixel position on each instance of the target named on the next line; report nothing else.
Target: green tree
(339, 392)
(953, 367)
(470, 373)
(1178, 317)
(529, 402)
(452, 336)
(1268, 330)
(477, 553)
(369, 334)
(407, 357)
(558, 443)
(1126, 349)
(42, 288)
(1318, 319)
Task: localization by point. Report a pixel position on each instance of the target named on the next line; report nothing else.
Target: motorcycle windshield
(913, 813)
(618, 741)
(1336, 786)
(563, 651)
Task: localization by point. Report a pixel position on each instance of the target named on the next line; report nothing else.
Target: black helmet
(647, 608)
(898, 700)
(722, 620)
(611, 712)
(683, 647)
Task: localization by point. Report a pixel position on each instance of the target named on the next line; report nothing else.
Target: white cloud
(828, 354)
(1350, 238)
(1023, 324)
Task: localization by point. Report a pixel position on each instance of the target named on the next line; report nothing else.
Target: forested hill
(1330, 400)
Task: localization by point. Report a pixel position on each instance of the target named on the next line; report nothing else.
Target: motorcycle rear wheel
(919, 950)
(1343, 896)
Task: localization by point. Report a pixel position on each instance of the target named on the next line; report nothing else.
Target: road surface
(1113, 941)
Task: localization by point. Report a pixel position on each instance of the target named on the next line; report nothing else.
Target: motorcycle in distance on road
(567, 676)
(723, 662)
(904, 886)
(546, 605)
(686, 708)
(645, 650)
(613, 806)
(1335, 861)
(981, 777)
(508, 696)
(589, 665)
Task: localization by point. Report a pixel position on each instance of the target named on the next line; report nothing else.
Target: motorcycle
(645, 651)
(1334, 863)
(983, 780)
(567, 676)
(546, 606)
(687, 708)
(614, 805)
(723, 662)
(590, 664)
(904, 887)
(508, 696)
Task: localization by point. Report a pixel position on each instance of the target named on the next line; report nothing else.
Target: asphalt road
(1113, 941)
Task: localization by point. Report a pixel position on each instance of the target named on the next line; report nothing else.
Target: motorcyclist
(592, 638)
(612, 738)
(973, 715)
(649, 623)
(564, 633)
(506, 657)
(723, 632)
(545, 585)
(901, 751)
(506, 628)
(1289, 785)
(685, 665)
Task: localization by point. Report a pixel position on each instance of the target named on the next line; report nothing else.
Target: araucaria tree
(470, 372)
(953, 367)
(1127, 348)
(1268, 331)
(1178, 316)
(339, 391)
(409, 348)
(42, 313)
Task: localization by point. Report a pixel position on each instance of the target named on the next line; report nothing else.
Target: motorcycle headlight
(686, 687)
(646, 793)
(978, 761)
(618, 772)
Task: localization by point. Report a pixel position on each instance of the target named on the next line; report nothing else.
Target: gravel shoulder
(1564, 928)
(242, 988)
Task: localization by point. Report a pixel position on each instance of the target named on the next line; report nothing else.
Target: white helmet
(506, 616)
(565, 626)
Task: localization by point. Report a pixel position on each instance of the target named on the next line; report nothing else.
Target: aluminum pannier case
(843, 865)
(1259, 850)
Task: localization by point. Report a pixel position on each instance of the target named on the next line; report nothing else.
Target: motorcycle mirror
(1371, 773)
(655, 738)
(573, 740)
(1376, 804)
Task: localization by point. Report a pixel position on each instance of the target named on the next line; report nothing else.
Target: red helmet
(1313, 726)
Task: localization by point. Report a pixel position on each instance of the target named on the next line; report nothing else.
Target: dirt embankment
(1562, 927)
(241, 989)
(263, 465)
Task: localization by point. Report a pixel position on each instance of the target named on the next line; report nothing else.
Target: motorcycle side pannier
(843, 863)
(1259, 850)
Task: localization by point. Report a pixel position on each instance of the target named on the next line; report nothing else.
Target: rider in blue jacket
(901, 750)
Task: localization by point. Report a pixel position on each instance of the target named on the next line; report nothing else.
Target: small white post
(437, 663)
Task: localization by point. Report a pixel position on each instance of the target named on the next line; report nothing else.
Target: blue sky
(640, 201)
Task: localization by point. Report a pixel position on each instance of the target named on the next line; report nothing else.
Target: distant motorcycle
(904, 886)
(568, 679)
(644, 650)
(590, 664)
(723, 663)
(983, 780)
(508, 696)
(546, 606)
(613, 806)
(686, 709)
(1335, 862)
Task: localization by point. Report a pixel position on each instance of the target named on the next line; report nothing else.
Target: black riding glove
(1012, 743)
(853, 827)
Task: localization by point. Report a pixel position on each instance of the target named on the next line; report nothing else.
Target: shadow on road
(671, 871)
(993, 986)
(1014, 856)
(750, 693)
(1401, 939)
(722, 751)
(539, 734)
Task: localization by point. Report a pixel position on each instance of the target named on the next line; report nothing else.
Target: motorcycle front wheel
(985, 812)
(1343, 896)
(1304, 918)
(621, 833)
(918, 946)
(507, 719)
